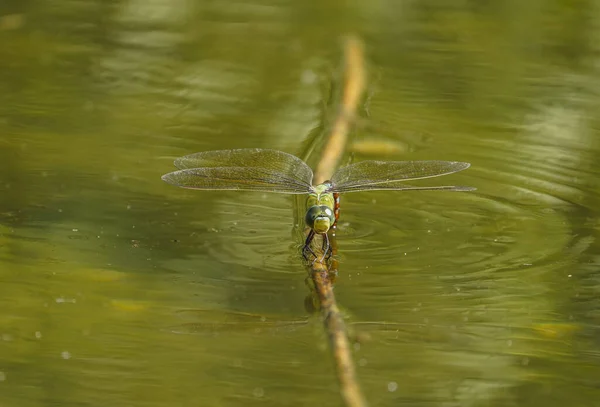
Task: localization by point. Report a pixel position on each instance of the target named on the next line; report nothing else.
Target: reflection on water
(484, 298)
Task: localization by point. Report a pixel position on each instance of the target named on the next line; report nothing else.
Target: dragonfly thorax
(319, 196)
(319, 209)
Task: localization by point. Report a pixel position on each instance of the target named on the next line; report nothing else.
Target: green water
(120, 290)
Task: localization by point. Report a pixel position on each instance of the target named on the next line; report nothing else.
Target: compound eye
(311, 215)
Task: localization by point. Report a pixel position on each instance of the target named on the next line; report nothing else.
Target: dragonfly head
(319, 218)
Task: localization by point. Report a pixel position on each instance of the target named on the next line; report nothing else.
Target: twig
(321, 276)
(354, 84)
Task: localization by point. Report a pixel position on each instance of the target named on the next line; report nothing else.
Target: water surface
(118, 289)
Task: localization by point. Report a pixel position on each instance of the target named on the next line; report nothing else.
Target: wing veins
(240, 178)
(380, 175)
(378, 187)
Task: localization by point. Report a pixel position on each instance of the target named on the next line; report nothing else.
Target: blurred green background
(120, 290)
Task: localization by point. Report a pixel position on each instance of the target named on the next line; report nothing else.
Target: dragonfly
(266, 170)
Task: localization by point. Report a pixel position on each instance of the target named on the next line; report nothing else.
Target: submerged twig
(322, 277)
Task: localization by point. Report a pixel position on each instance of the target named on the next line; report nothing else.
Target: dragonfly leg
(306, 249)
(326, 247)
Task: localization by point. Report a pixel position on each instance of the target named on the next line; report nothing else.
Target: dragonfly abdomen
(336, 211)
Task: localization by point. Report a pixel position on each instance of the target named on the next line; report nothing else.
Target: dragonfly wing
(379, 175)
(251, 169)
(248, 157)
(237, 178)
(402, 187)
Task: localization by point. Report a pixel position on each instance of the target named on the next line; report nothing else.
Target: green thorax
(320, 198)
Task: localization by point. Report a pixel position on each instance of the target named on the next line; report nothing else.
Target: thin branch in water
(322, 276)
